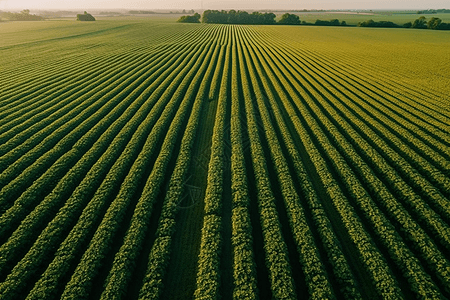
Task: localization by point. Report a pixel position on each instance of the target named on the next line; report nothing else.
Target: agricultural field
(147, 159)
(353, 18)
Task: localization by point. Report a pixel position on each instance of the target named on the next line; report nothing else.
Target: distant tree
(215, 17)
(381, 24)
(267, 18)
(434, 23)
(85, 17)
(343, 23)
(24, 15)
(407, 25)
(190, 19)
(289, 19)
(429, 11)
(419, 23)
(141, 12)
(237, 17)
(437, 24)
(334, 22)
(443, 26)
(367, 23)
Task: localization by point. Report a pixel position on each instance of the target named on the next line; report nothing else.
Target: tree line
(237, 17)
(420, 23)
(190, 19)
(434, 11)
(24, 15)
(257, 18)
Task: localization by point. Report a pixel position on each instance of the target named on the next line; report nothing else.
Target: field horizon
(141, 158)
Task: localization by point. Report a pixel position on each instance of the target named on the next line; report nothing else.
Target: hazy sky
(224, 4)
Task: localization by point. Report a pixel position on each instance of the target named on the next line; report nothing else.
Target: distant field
(146, 159)
(352, 18)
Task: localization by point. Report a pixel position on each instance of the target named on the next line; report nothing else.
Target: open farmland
(353, 18)
(143, 160)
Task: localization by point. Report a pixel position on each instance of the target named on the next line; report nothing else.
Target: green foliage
(190, 19)
(94, 255)
(321, 221)
(422, 284)
(237, 17)
(289, 19)
(159, 258)
(433, 11)
(277, 259)
(96, 146)
(244, 268)
(380, 24)
(85, 17)
(54, 233)
(334, 22)
(208, 270)
(419, 23)
(437, 24)
(407, 25)
(434, 23)
(316, 278)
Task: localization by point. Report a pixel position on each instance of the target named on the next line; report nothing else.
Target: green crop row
(244, 268)
(120, 275)
(160, 94)
(340, 266)
(416, 134)
(370, 256)
(70, 179)
(429, 251)
(410, 108)
(327, 175)
(208, 277)
(81, 280)
(316, 278)
(99, 96)
(30, 85)
(387, 233)
(418, 206)
(412, 176)
(54, 163)
(276, 252)
(47, 107)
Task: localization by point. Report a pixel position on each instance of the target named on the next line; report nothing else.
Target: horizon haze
(225, 4)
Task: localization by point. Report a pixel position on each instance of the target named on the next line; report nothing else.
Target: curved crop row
(317, 281)
(370, 256)
(77, 237)
(384, 229)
